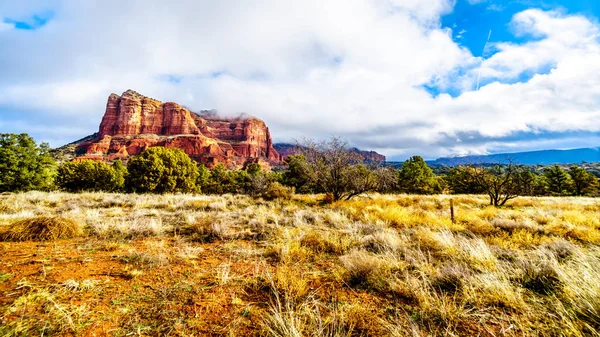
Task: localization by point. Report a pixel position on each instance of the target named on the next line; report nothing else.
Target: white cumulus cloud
(355, 68)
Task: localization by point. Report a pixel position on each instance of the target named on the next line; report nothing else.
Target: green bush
(89, 175)
(297, 174)
(202, 180)
(219, 181)
(161, 170)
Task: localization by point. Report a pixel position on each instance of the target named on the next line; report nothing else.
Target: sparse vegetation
(232, 265)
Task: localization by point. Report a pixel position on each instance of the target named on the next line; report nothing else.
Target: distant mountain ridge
(286, 149)
(541, 157)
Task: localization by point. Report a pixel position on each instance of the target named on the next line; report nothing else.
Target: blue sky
(401, 77)
(477, 18)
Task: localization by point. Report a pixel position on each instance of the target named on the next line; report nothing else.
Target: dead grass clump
(510, 225)
(442, 242)
(8, 209)
(382, 241)
(539, 276)
(364, 268)
(581, 293)
(562, 249)
(128, 228)
(326, 242)
(451, 278)
(196, 204)
(205, 229)
(289, 251)
(288, 317)
(42, 228)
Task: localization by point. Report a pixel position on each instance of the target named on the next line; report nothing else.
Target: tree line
(328, 167)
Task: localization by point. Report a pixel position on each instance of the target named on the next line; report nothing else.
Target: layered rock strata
(133, 123)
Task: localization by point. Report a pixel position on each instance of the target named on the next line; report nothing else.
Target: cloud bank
(384, 74)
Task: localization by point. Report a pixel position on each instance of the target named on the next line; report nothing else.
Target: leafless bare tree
(338, 170)
(499, 182)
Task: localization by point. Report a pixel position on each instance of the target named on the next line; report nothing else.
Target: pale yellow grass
(402, 266)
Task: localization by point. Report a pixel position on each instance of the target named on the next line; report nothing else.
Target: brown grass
(378, 265)
(42, 228)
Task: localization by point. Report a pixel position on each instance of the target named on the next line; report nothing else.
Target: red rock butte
(133, 122)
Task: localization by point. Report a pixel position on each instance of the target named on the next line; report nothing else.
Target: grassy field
(389, 265)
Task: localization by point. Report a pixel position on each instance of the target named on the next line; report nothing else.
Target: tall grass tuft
(41, 228)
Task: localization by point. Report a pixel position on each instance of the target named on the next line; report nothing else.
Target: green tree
(527, 181)
(584, 183)
(219, 181)
(297, 174)
(202, 180)
(252, 168)
(416, 177)
(366, 178)
(161, 170)
(120, 174)
(541, 185)
(500, 183)
(240, 182)
(90, 175)
(338, 171)
(559, 181)
(461, 181)
(24, 165)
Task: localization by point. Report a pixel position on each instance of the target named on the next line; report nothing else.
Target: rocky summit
(133, 123)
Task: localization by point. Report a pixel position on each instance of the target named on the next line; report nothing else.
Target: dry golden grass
(41, 228)
(378, 265)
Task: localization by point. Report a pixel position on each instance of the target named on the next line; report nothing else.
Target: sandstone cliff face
(133, 122)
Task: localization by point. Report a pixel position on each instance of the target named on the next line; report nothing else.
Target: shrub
(221, 181)
(161, 170)
(328, 199)
(42, 229)
(89, 175)
(258, 183)
(297, 174)
(202, 180)
(278, 191)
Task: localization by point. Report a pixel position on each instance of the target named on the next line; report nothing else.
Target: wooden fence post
(452, 210)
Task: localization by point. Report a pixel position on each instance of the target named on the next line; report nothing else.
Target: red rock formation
(133, 122)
